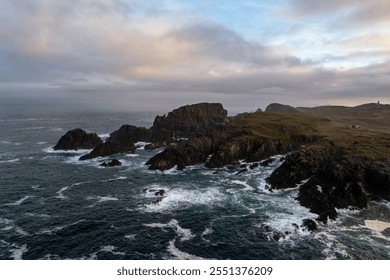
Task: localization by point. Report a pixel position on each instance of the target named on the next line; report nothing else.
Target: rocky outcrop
(248, 148)
(301, 165)
(251, 137)
(280, 108)
(111, 163)
(132, 133)
(108, 149)
(309, 224)
(189, 121)
(334, 180)
(185, 122)
(185, 153)
(77, 139)
(339, 184)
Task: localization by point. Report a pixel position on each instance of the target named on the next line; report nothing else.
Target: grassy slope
(280, 125)
(359, 142)
(372, 116)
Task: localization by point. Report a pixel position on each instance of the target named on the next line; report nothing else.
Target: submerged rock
(77, 139)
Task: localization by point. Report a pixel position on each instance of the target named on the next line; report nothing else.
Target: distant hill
(280, 108)
(372, 116)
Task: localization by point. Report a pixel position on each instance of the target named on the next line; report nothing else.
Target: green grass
(361, 142)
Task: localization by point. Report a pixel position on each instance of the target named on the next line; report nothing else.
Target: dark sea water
(54, 207)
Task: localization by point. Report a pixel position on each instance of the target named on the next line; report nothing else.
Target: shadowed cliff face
(191, 120)
(185, 122)
(252, 137)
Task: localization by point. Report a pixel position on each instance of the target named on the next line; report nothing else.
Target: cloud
(101, 51)
(47, 41)
(350, 11)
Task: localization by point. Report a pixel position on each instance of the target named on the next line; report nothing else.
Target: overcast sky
(157, 55)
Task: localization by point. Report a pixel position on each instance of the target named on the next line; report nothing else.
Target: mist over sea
(53, 206)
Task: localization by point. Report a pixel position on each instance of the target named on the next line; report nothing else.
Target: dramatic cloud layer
(160, 54)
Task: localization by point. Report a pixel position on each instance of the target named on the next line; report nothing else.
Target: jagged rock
(184, 153)
(336, 185)
(250, 149)
(189, 121)
(280, 108)
(130, 132)
(108, 149)
(112, 163)
(78, 139)
(309, 224)
(254, 165)
(301, 164)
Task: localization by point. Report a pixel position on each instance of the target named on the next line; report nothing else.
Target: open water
(53, 206)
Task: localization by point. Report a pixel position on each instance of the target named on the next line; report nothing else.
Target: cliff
(333, 164)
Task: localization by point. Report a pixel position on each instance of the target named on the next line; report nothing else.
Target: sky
(157, 55)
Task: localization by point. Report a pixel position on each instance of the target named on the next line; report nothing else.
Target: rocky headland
(338, 157)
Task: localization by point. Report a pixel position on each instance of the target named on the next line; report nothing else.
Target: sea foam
(18, 202)
(18, 251)
(183, 234)
(180, 255)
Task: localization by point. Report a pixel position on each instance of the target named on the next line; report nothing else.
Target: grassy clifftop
(365, 141)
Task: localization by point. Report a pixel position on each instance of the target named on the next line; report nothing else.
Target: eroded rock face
(185, 153)
(130, 132)
(302, 164)
(108, 148)
(334, 186)
(334, 181)
(189, 121)
(77, 139)
(249, 149)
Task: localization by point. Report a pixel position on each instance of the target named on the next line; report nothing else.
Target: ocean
(53, 206)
